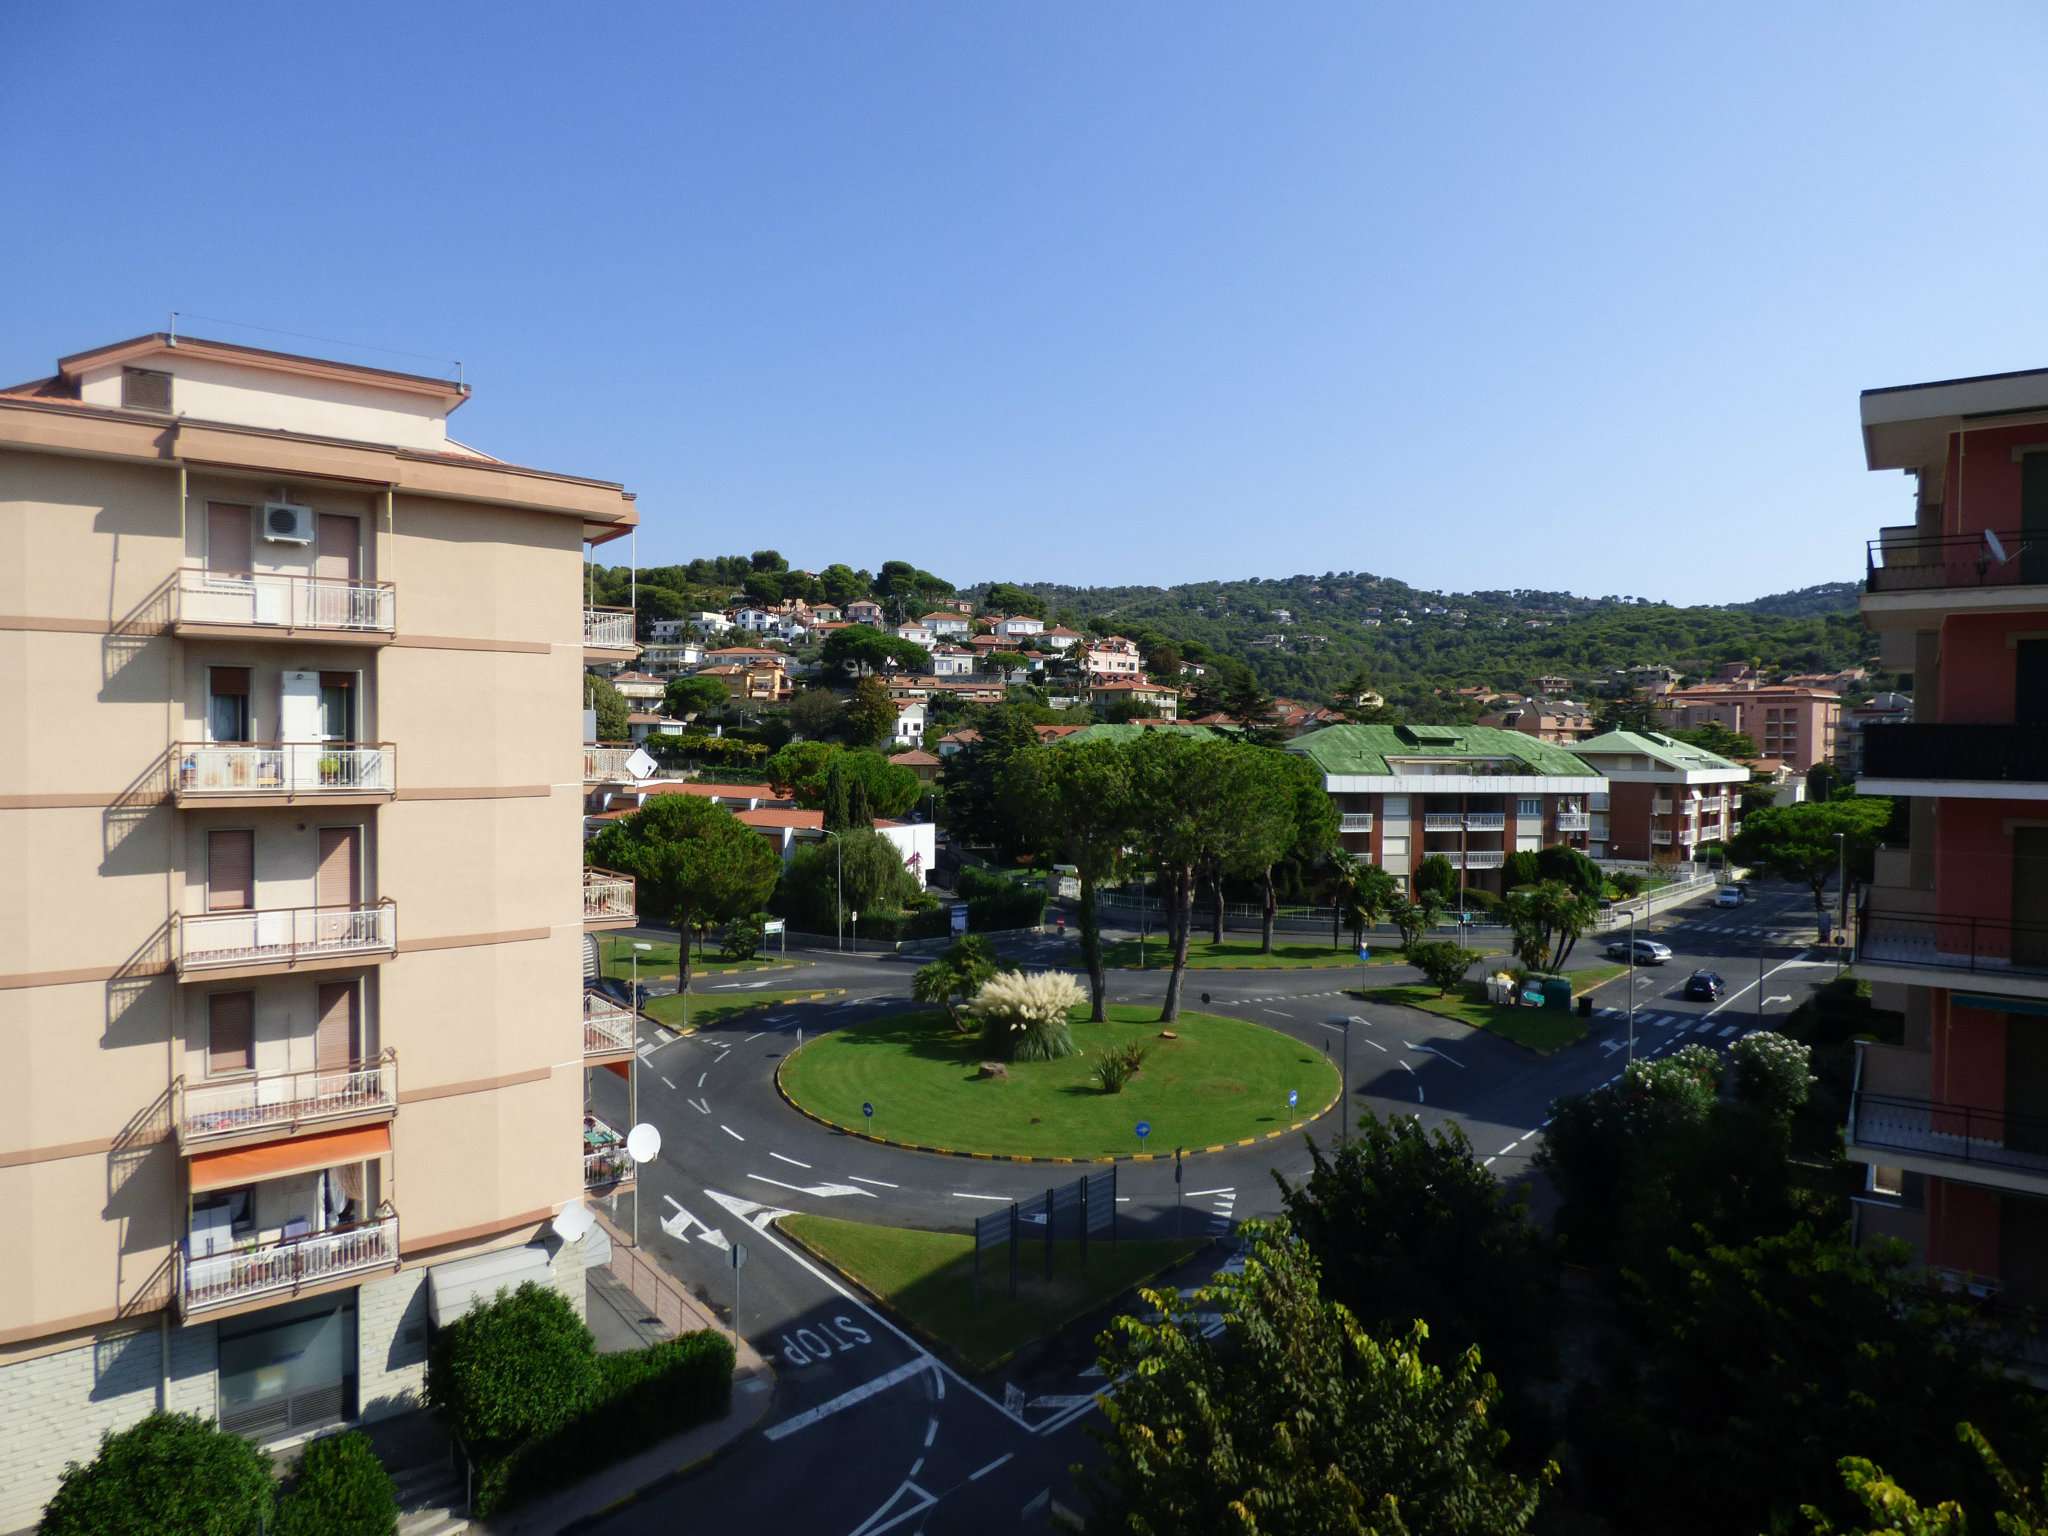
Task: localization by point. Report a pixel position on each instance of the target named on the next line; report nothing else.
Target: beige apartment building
(294, 910)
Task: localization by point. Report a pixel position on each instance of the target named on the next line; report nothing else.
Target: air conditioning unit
(285, 522)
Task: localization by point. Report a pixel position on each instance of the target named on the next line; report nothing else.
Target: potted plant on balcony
(330, 768)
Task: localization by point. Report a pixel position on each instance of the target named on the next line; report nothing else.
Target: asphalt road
(869, 1432)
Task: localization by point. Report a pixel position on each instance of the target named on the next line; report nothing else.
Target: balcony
(1660, 807)
(1979, 762)
(608, 634)
(1493, 859)
(1660, 838)
(1442, 821)
(1574, 821)
(285, 1266)
(608, 1028)
(606, 1163)
(211, 945)
(224, 773)
(1355, 821)
(607, 765)
(608, 899)
(1486, 821)
(271, 1104)
(1966, 1142)
(236, 605)
(1713, 805)
(1951, 950)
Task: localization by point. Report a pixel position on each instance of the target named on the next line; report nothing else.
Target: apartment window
(227, 703)
(1890, 1182)
(221, 1215)
(1531, 807)
(337, 706)
(230, 1033)
(145, 389)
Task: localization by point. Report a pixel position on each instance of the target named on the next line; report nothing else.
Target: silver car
(1648, 951)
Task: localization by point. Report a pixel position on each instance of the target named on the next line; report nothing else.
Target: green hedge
(170, 1474)
(643, 1397)
(339, 1489)
(995, 902)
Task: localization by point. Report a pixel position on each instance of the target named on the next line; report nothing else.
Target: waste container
(1586, 1006)
(1557, 992)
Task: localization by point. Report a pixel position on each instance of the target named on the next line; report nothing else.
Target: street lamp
(839, 899)
(633, 1066)
(1344, 1021)
(638, 950)
(1841, 895)
(1631, 984)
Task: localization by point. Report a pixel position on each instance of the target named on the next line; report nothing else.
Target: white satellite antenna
(643, 1143)
(574, 1222)
(1996, 546)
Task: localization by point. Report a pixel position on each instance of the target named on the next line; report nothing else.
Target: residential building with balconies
(1952, 931)
(293, 961)
(1473, 794)
(1795, 725)
(1665, 799)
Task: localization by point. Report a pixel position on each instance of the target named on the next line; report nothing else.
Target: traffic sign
(739, 1254)
(1365, 952)
(1293, 1098)
(1144, 1129)
(868, 1110)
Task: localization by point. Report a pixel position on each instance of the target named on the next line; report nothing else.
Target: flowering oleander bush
(1024, 1018)
(1772, 1071)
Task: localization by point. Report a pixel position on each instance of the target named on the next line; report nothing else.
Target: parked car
(1704, 986)
(1648, 951)
(1728, 896)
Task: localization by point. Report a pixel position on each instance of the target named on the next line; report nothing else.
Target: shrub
(1116, 1065)
(1520, 868)
(997, 901)
(521, 1366)
(742, 939)
(1024, 1018)
(169, 1475)
(1772, 1072)
(1628, 883)
(1562, 862)
(1484, 902)
(1442, 963)
(1436, 878)
(340, 1489)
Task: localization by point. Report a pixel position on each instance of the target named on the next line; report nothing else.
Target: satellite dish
(643, 1143)
(1997, 546)
(574, 1221)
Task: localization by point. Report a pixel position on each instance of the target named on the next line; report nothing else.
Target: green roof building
(1471, 793)
(1665, 799)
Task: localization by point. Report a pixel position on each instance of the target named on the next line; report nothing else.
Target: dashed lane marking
(958, 1195)
(735, 1135)
(975, 1477)
(667, 1084)
(790, 1160)
(879, 1183)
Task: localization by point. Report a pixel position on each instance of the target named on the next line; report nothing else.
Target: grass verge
(658, 961)
(708, 1012)
(1203, 955)
(927, 1280)
(1542, 1030)
(1219, 1080)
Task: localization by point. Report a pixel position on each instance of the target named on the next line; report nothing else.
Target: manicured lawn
(1221, 1080)
(1540, 1029)
(707, 1012)
(658, 961)
(1241, 954)
(927, 1280)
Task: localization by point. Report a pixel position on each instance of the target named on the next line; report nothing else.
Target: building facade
(1795, 725)
(1953, 930)
(1664, 799)
(295, 990)
(1474, 794)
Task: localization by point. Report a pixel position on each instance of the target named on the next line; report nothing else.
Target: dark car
(1704, 986)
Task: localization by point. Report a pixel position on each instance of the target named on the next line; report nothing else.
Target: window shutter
(145, 389)
(231, 1032)
(230, 871)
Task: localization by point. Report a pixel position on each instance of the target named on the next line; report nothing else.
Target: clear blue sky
(1473, 296)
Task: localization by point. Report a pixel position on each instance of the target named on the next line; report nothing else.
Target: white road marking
(819, 1191)
(790, 1160)
(1196, 1194)
(931, 1431)
(1375, 1044)
(702, 1106)
(957, 1195)
(667, 1084)
(752, 1212)
(879, 1183)
(916, 1467)
(702, 1075)
(1432, 1050)
(1728, 1029)
(848, 1398)
(975, 1477)
(735, 1135)
(753, 1037)
(1504, 1151)
(1274, 1011)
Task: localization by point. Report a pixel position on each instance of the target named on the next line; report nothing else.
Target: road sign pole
(1048, 1237)
(1084, 1221)
(1179, 1211)
(1016, 1241)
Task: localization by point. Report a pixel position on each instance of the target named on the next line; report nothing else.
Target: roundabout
(913, 1081)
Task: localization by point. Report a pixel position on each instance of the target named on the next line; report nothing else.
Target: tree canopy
(1797, 842)
(1074, 802)
(696, 864)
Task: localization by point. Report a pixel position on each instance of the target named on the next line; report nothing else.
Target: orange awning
(276, 1159)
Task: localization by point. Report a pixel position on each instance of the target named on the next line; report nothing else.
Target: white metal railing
(276, 1100)
(286, 602)
(604, 765)
(1442, 821)
(606, 895)
(1491, 859)
(608, 629)
(606, 1167)
(1660, 807)
(285, 1264)
(1574, 821)
(1734, 827)
(1486, 821)
(285, 769)
(286, 935)
(1355, 821)
(1660, 838)
(1710, 804)
(607, 1027)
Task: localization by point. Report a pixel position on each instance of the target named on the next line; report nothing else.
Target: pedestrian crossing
(1284, 997)
(1683, 1023)
(1777, 934)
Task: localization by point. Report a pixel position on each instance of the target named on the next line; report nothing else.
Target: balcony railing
(1493, 859)
(607, 765)
(608, 629)
(607, 896)
(1952, 943)
(239, 600)
(1917, 564)
(607, 1027)
(286, 1265)
(606, 1163)
(283, 935)
(1660, 839)
(225, 769)
(1355, 821)
(1442, 821)
(1660, 807)
(1574, 821)
(1711, 805)
(1960, 1133)
(1486, 821)
(283, 1101)
(1998, 754)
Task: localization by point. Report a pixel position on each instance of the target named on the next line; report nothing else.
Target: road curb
(811, 997)
(1025, 1157)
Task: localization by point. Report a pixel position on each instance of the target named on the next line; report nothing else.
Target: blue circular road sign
(1144, 1129)
(868, 1110)
(1293, 1098)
